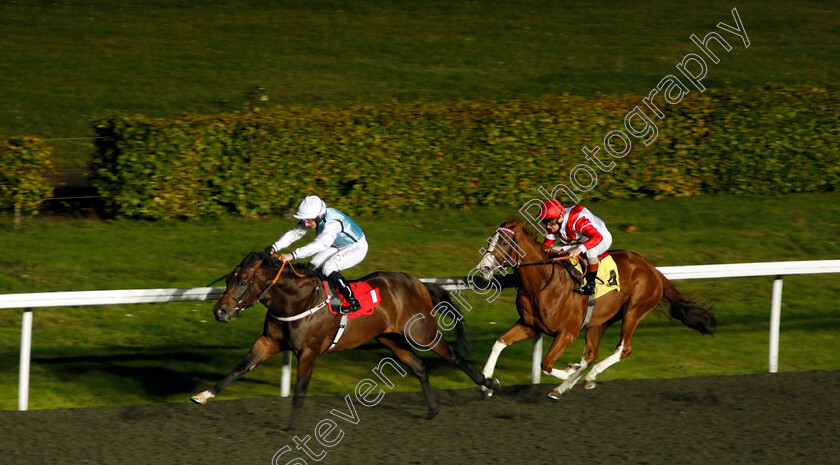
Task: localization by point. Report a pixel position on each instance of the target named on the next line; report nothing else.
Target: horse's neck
(289, 294)
(533, 251)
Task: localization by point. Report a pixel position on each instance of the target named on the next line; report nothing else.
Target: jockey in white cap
(339, 245)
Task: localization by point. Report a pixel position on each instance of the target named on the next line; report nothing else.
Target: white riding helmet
(310, 207)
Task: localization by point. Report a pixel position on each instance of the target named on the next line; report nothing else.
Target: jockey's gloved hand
(552, 252)
(270, 249)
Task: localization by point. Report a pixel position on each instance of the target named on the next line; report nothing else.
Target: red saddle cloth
(367, 296)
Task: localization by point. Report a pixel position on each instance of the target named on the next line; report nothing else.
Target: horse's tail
(440, 295)
(689, 312)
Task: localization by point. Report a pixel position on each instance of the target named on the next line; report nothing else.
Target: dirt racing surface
(756, 419)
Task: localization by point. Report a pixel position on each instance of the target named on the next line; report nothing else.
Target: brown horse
(297, 320)
(546, 304)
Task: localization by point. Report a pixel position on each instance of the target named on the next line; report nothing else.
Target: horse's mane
(524, 227)
(271, 262)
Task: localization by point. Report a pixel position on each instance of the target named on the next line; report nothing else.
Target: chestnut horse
(297, 320)
(547, 304)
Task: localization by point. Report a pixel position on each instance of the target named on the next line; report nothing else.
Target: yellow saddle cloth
(607, 277)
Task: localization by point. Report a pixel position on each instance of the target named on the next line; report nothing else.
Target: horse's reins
(240, 303)
(312, 310)
(555, 260)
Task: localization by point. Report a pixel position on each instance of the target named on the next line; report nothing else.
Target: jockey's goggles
(551, 221)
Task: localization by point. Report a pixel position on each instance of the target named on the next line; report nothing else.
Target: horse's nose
(220, 313)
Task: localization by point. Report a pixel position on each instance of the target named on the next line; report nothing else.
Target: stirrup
(586, 289)
(352, 306)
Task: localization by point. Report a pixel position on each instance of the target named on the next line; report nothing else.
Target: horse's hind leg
(625, 344)
(443, 349)
(403, 351)
(262, 348)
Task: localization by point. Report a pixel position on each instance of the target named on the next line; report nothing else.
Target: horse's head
(243, 288)
(503, 249)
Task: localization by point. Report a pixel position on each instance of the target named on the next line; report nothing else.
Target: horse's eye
(242, 283)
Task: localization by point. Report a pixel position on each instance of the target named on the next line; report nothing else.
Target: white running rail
(139, 296)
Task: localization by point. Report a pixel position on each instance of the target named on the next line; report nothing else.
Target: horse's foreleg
(517, 332)
(558, 346)
(403, 351)
(306, 364)
(590, 353)
(262, 348)
(575, 371)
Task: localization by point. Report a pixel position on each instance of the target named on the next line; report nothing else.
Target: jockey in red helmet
(580, 233)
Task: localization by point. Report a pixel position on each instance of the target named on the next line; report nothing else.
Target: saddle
(605, 281)
(367, 296)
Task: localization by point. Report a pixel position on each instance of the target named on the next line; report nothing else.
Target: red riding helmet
(551, 209)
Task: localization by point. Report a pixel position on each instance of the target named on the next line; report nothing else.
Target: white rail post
(25, 356)
(775, 319)
(536, 358)
(286, 374)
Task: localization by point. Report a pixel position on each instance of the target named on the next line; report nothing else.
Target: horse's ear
(251, 258)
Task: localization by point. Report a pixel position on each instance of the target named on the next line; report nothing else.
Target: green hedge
(26, 177)
(406, 156)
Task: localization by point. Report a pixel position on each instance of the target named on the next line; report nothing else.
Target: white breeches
(333, 259)
(593, 253)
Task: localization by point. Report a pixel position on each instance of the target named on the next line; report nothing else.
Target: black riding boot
(344, 288)
(589, 287)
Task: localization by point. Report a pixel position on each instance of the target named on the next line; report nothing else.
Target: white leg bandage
(605, 363)
(490, 366)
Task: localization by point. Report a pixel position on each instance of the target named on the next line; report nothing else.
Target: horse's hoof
(486, 393)
(553, 396)
(202, 397)
(495, 385)
(589, 385)
(432, 413)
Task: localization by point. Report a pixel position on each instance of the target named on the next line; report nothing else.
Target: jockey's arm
(291, 236)
(593, 236)
(549, 241)
(324, 240)
(552, 243)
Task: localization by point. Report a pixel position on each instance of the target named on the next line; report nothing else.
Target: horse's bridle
(517, 263)
(242, 305)
(513, 262)
(240, 302)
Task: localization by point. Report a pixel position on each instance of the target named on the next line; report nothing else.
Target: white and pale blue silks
(340, 242)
